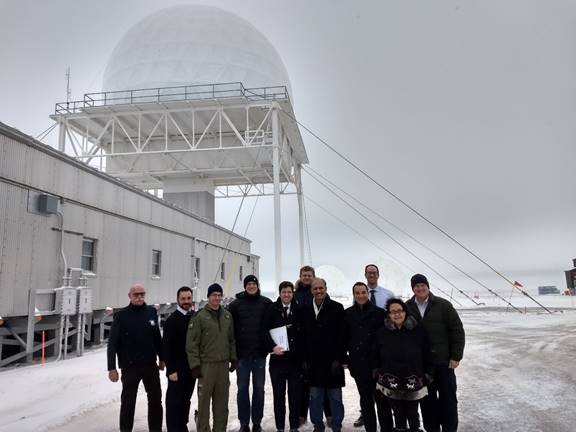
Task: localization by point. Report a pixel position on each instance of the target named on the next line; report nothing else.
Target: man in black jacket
(135, 339)
(285, 361)
(363, 319)
(444, 328)
(324, 354)
(180, 380)
(248, 311)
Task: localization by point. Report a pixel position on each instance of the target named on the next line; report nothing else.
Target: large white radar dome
(193, 44)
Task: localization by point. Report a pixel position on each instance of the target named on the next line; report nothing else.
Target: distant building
(550, 289)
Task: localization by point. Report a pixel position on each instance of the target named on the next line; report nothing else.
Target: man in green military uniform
(211, 353)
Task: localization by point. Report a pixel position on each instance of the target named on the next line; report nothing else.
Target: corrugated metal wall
(126, 224)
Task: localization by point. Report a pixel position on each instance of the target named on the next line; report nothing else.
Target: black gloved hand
(233, 365)
(428, 379)
(335, 368)
(195, 372)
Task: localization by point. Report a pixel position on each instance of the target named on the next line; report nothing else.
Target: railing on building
(158, 95)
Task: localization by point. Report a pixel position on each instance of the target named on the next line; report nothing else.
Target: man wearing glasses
(135, 339)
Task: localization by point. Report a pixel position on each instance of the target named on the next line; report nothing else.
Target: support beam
(62, 137)
(276, 176)
(30, 326)
(298, 175)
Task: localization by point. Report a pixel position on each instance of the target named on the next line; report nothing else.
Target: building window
(222, 271)
(156, 262)
(241, 273)
(248, 258)
(88, 262)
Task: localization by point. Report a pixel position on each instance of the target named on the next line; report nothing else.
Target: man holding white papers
(283, 334)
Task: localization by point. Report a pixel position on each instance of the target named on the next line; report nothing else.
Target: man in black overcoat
(324, 354)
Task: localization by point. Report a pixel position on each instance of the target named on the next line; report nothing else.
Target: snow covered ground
(518, 374)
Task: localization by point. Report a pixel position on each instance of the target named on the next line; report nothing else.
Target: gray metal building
(112, 233)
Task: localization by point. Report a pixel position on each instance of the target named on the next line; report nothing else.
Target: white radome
(193, 44)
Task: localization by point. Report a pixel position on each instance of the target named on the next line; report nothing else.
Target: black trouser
(280, 375)
(178, 397)
(305, 401)
(406, 411)
(383, 409)
(366, 388)
(131, 377)
(440, 407)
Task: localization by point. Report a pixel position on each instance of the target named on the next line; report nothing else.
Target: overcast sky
(465, 109)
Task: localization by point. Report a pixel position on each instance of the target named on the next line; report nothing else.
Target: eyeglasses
(139, 294)
(396, 312)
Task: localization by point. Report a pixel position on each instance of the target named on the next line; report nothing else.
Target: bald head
(137, 294)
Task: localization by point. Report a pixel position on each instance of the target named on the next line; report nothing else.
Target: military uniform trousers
(213, 386)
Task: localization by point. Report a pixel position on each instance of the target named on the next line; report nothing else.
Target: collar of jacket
(409, 324)
(278, 302)
(301, 287)
(136, 307)
(245, 296)
(431, 298)
(326, 300)
(209, 309)
(365, 307)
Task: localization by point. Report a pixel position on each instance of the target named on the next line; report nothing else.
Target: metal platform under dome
(217, 133)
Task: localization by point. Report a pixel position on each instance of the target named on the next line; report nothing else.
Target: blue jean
(257, 367)
(317, 407)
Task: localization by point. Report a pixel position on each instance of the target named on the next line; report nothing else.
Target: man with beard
(324, 354)
(248, 311)
(135, 338)
(180, 380)
(363, 319)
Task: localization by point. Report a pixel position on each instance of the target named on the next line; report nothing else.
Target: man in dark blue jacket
(180, 380)
(135, 339)
(248, 311)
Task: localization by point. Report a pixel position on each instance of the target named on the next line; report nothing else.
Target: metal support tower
(196, 143)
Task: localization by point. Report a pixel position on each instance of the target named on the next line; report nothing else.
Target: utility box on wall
(84, 300)
(66, 301)
(48, 204)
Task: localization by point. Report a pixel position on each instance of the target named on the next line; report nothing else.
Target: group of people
(401, 355)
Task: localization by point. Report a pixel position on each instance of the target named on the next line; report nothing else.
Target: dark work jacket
(302, 294)
(362, 324)
(134, 337)
(174, 342)
(324, 343)
(248, 315)
(274, 318)
(444, 328)
(403, 352)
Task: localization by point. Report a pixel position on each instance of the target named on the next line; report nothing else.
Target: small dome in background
(193, 44)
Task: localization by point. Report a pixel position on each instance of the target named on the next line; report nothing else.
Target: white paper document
(280, 337)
